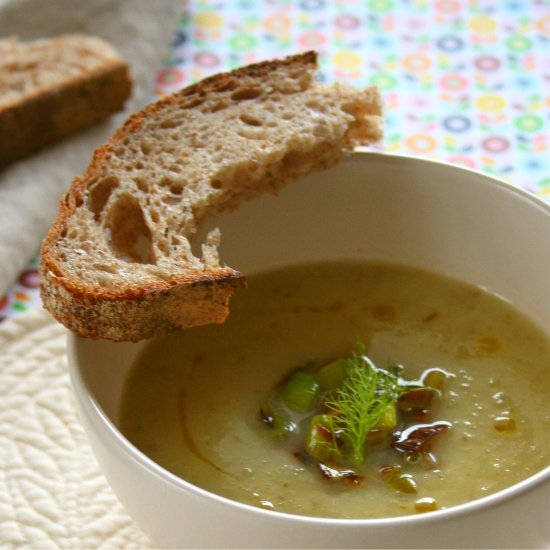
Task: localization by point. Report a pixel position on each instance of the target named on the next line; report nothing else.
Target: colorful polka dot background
(464, 81)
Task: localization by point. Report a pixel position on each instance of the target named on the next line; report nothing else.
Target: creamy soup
(192, 401)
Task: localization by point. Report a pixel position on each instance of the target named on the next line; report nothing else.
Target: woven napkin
(52, 492)
(30, 189)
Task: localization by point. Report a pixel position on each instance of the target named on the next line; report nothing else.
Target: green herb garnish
(363, 400)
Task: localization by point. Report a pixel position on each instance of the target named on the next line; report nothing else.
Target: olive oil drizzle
(190, 441)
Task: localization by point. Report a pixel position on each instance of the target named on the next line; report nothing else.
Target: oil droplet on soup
(192, 400)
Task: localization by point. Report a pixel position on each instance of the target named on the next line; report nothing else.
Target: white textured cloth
(52, 492)
(30, 189)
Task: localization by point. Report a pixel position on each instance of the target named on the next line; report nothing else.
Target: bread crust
(143, 313)
(189, 297)
(49, 113)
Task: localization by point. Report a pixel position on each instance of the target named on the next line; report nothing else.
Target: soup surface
(192, 400)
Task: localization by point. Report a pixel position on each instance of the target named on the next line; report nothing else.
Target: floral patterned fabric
(464, 81)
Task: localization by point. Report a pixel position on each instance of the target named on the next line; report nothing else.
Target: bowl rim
(95, 413)
(496, 181)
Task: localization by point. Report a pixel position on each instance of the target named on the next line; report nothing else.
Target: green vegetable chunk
(281, 426)
(388, 420)
(405, 483)
(435, 378)
(397, 480)
(426, 504)
(418, 399)
(323, 440)
(333, 374)
(300, 391)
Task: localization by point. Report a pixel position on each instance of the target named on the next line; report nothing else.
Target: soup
(193, 401)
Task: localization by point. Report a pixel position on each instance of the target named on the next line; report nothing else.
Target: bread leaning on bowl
(51, 88)
(117, 262)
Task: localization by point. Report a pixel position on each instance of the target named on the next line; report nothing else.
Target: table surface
(463, 81)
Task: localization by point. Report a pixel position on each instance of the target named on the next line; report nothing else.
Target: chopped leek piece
(426, 504)
(377, 437)
(323, 439)
(417, 399)
(395, 478)
(332, 375)
(300, 391)
(435, 378)
(405, 483)
(388, 421)
(281, 426)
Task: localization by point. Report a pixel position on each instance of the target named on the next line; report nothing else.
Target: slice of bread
(51, 88)
(118, 264)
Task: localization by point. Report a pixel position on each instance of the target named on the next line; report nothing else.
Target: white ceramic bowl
(410, 211)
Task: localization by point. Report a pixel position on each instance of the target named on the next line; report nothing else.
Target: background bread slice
(118, 262)
(53, 87)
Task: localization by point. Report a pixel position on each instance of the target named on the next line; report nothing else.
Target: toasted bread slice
(51, 88)
(118, 264)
